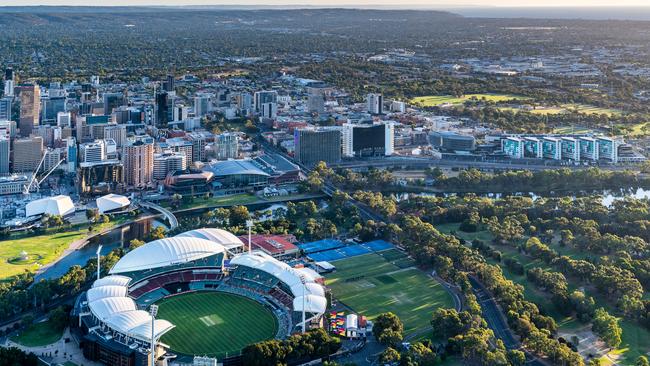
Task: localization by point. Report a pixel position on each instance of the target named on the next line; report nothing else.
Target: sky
(329, 3)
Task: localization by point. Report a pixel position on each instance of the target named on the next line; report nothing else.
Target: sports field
(375, 283)
(215, 323)
(435, 100)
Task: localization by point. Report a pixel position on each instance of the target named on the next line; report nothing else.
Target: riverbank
(240, 200)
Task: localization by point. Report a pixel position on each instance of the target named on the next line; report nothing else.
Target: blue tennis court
(347, 251)
(378, 245)
(320, 245)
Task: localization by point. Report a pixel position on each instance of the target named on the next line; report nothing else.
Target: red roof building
(278, 246)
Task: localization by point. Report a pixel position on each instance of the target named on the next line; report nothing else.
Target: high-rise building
(368, 140)
(201, 105)
(316, 103)
(244, 101)
(169, 84)
(162, 109)
(112, 101)
(8, 128)
(93, 152)
(312, 146)
(5, 108)
(262, 97)
(375, 103)
(269, 110)
(179, 145)
(27, 154)
(72, 154)
(52, 159)
(168, 162)
(52, 106)
(137, 158)
(10, 82)
(199, 141)
(64, 119)
(5, 143)
(30, 108)
(225, 146)
(117, 133)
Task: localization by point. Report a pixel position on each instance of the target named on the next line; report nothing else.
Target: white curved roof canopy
(111, 202)
(98, 293)
(219, 236)
(112, 281)
(56, 205)
(300, 281)
(312, 304)
(108, 302)
(166, 252)
(109, 306)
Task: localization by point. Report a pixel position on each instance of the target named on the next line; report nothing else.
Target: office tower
(316, 102)
(397, 106)
(5, 108)
(168, 162)
(117, 133)
(64, 119)
(368, 140)
(162, 109)
(10, 82)
(199, 141)
(181, 113)
(72, 154)
(112, 101)
(138, 162)
(94, 80)
(312, 146)
(51, 159)
(201, 105)
(225, 146)
(262, 97)
(269, 110)
(5, 143)
(52, 106)
(93, 152)
(169, 85)
(375, 103)
(27, 154)
(179, 145)
(30, 108)
(8, 128)
(244, 101)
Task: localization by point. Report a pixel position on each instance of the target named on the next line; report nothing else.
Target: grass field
(371, 284)
(566, 108)
(215, 323)
(39, 334)
(435, 100)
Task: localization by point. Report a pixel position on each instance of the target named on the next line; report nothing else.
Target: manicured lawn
(39, 334)
(371, 285)
(215, 323)
(435, 100)
(234, 200)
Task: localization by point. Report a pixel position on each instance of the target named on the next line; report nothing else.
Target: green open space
(436, 100)
(42, 249)
(215, 323)
(370, 285)
(636, 338)
(234, 200)
(38, 334)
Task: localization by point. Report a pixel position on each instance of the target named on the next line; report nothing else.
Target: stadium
(212, 297)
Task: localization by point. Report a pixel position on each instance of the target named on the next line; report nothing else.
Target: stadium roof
(111, 202)
(235, 167)
(219, 236)
(56, 205)
(108, 303)
(166, 252)
(300, 281)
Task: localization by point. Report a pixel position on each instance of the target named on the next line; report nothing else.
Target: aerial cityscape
(259, 184)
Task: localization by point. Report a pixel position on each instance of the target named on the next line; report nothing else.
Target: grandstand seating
(165, 279)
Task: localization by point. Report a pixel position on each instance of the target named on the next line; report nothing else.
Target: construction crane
(35, 183)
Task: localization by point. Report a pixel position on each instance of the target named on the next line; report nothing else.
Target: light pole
(249, 225)
(304, 293)
(153, 310)
(99, 258)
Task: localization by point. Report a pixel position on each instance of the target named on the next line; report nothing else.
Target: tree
(607, 328)
(157, 233)
(59, 318)
(449, 323)
(390, 356)
(135, 244)
(92, 214)
(516, 357)
(388, 329)
(238, 215)
(16, 357)
(642, 361)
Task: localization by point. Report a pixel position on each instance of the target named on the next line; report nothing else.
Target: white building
(112, 202)
(375, 103)
(168, 162)
(93, 152)
(56, 205)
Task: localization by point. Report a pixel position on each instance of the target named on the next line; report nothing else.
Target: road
(173, 221)
(497, 321)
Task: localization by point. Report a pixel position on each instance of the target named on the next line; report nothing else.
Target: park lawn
(370, 285)
(235, 200)
(38, 334)
(215, 323)
(435, 100)
(42, 249)
(570, 130)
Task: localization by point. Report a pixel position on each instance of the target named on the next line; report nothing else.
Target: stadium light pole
(99, 258)
(304, 325)
(249, 225)
(153, 310)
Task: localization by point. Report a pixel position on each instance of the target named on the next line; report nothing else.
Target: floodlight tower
(99, 258)
(304, 323)
(249, 225)
(153, 310)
